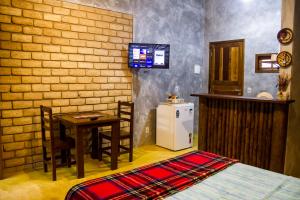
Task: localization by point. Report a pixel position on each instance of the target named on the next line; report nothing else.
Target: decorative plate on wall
(284, 59)
(285, 36)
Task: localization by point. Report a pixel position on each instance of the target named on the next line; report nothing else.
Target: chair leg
(45, 159)
(69, 158)
(100, 147)
(64, 156)
(53, 161)
(130, 149)
(45, 166)
(119, 148)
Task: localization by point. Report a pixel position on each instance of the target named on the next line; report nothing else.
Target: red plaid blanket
(152, 181)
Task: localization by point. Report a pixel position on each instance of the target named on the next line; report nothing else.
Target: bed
(241, 181)
(194, 175)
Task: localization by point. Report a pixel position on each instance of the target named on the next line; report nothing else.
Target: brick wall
(58, 54)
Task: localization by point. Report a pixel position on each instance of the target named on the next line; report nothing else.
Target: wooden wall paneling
(256, 130)
(214, 127)
(226, 128)
(246, 148)
(251, 125)
(266, 132)
(242, 137)
(219, 125)
(202, 124)
(222, 108)
(255, 134)
(246, 132)
(208, 125)
(234, 130)
(209, 139)
(260, 135)
(280, 119)
(230, 129)
(212, 134)
(238, 132)
(269, 135)
(219, 134)
(239, 127)
(249, 129)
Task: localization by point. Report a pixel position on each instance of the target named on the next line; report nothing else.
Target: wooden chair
(126, 113)
(54, 144)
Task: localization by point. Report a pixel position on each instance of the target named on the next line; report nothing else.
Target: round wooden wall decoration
(285, 36)
(284, 59)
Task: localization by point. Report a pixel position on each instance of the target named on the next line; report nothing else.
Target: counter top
(243, 98)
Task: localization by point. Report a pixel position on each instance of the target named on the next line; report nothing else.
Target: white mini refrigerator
(174, 125)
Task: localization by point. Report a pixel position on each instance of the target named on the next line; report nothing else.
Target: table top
(86, 118)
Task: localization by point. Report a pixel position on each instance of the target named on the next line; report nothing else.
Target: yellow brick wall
(59, 54)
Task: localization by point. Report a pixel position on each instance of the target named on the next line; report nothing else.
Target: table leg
(62, 135)
(95, 145)
(115, 144)
(79, 152)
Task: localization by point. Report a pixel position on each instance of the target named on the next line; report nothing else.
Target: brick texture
(64, 55)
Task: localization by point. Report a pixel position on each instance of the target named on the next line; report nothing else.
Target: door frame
(241, 58)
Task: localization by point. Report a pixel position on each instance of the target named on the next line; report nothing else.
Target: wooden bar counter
(252, 130)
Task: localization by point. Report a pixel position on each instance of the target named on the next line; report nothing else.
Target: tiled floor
(39, 185)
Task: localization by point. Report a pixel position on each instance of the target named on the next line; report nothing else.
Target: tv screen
(142, 55)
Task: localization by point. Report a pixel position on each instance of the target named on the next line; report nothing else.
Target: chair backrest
(47, 124)
(126, 113)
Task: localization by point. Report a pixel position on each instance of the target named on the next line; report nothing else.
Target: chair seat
(66, 144)
(123, 134)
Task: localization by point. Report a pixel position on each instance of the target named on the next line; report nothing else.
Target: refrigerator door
(183, 137)
(165, 126)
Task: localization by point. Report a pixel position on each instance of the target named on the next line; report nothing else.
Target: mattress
(241, 181)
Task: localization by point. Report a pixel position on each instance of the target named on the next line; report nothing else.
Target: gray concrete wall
(188, 26)
(175, 22)
(255, 21)
(180, 24)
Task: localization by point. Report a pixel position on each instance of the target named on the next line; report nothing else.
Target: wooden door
(226, 67)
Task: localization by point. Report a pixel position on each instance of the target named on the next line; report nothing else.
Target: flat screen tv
(142, 55)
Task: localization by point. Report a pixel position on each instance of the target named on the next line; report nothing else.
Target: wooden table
(81, 121)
